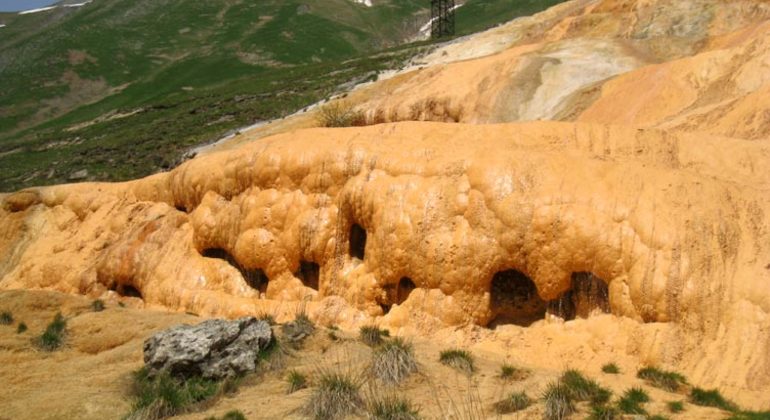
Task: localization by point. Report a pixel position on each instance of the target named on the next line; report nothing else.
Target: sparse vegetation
(675, 406)
(21, 328)
(372, 335)
(670, 381)
(336, 396)
(512, 373)
(515, 401)
(53, 336)
(632, 400)
(6, 318)
(299, 329)
(558, 401)
(264, 316)
(711, 398)
(584, 389)
(391, 407)
(163, 395)
(611, 368)
(604, 412)
(393, 361)
(657, 417)
(230, 415)
(461, 360)
(297, 380)
(97, 305)
(339, 114)
(751, 415)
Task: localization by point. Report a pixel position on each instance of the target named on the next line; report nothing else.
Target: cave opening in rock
(588, 295)
(357, 241)
(405, 287)
(127, 290)
(514, 300)
(309, 273)
(255, 277)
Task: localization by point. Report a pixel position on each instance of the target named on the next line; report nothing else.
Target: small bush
(516, 401)
(391, 407)
(336, 396)
(339, 114)
(97, 305)
(611, 368)
(604, 412)
(558, 401)
(372, 335)
(163, 396)
(584, 389)
(632, 400)
(512, 373)
(6, 318)
(230, 415)
(393, 361)
(670, 381)
(461, 360)
(21, 328)
(711, 398)
(53, 336)
(297, 380)
(675, 406)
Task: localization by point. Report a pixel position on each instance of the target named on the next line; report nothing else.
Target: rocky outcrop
(213, 349)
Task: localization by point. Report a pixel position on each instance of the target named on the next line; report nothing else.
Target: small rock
(214, 349)
(78, 175)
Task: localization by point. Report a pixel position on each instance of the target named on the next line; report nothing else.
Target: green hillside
(121, 88)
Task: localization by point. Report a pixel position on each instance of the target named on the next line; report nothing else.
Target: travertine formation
(652, 204)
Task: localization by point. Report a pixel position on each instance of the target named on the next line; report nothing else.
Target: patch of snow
(2, 25)
(367, 3)
(42, 9)
(78, 4)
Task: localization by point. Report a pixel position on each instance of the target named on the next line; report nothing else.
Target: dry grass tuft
(393, 361)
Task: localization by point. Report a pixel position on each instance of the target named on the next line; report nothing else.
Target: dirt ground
(90, 377)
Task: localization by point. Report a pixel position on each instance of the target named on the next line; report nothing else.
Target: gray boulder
(214, 349)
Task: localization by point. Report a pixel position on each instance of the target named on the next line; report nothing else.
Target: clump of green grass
(53, 336)
(657, 417)
(558, 401)
(584, 389)
(513, 373)
(230, 415)
(461, 360)
(372, 335)
(21, 328)
(751, 415)
(632, 400)
(297, 380)
(164, 396)
(670, 381)
(264, 316)
(604, 412)
(611, 368)
(514, 402)
(711, 398)
(393, 361)
(6, 318)
(339, 114)
(336, 396)
(97, 305)
(675, 406)
(391, 407)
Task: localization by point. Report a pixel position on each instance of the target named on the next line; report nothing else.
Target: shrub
(393, 361)
(230, 415)
(391, 407)
(558, 401)
(632, 400)
(163, 395)
(336, 396)
(53, 336)
(339, 114)
(372, 335)
(297, 380)
(670, 381)
(611, 368)
(515, 401)
(711, 398)
(97, 305)
(21, 328)
(604, 412)
(461, 360)
(584, 389)
(6, 318)
(512, 373)
(675, 406)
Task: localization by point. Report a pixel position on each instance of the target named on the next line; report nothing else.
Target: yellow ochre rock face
(637, 224)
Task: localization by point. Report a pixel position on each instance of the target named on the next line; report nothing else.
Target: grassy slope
(190, 71)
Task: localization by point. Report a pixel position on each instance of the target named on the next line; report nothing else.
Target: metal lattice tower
(442, 13)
